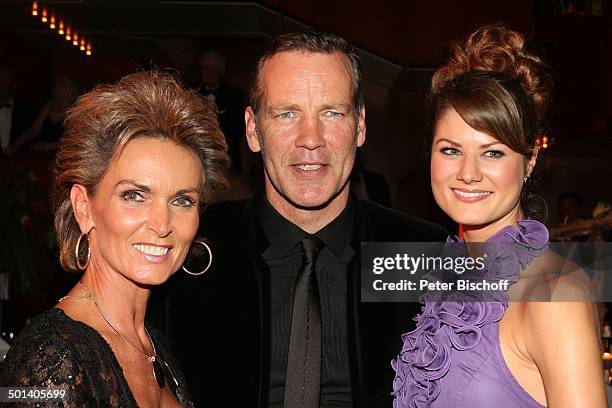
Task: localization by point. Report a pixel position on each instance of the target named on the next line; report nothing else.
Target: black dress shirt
(284, 258)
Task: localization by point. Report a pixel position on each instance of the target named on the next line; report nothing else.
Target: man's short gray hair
(309, 42)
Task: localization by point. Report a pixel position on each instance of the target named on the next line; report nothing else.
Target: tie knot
(311, 246)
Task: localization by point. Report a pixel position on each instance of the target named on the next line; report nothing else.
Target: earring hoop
(210, 258)
(77, 250)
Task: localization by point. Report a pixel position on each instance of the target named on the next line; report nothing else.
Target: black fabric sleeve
(47, 362)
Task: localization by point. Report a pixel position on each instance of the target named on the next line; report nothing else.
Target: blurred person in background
(48, 126)
(228, 98)
(15, 114)
(570, 207)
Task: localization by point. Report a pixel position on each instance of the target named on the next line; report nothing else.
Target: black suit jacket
(230, 105)
(218, 324)
(377, 188)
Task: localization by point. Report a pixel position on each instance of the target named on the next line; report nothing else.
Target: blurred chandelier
(543, 142)
(57, 23)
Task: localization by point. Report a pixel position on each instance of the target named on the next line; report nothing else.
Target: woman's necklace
(158, 372)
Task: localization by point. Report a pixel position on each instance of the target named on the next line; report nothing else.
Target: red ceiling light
(88, 49)
(35, 8)
(68, 34)
(52, 22)
(43, 18)
(60, 28)
(75, 39)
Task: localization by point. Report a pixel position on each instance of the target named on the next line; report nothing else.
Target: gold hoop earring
(210, 258)
(77, 251)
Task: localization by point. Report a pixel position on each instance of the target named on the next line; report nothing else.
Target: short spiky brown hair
(309, 42)
(105, 120)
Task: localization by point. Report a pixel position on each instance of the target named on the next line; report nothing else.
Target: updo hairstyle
(497, 87)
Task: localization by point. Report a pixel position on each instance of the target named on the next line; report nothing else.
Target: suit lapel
(257, 243)
(356, 364)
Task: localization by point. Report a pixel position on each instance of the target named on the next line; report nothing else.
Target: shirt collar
(283, 235)
(337, 234)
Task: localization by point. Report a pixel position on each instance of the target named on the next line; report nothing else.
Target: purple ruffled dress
(453, 357)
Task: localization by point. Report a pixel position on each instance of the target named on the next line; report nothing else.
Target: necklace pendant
(158, 374)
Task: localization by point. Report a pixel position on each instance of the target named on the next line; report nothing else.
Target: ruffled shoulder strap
(524, 242)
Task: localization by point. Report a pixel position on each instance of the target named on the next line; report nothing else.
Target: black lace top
(54, 351)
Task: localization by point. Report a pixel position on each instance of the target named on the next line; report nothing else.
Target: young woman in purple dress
(488, 103)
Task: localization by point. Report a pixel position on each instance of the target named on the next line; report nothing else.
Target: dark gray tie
(303, 380)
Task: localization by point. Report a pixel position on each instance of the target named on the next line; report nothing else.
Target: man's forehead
(295, 68)
(304, 59)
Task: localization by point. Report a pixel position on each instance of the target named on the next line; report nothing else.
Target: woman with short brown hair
(136, 163)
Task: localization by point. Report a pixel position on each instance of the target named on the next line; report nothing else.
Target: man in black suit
(235, 329)
(15, 114)
(229, 101)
